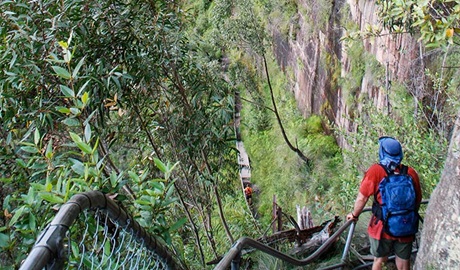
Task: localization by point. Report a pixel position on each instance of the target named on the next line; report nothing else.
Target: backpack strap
(388, 171)
(376, 206)
(404, 169)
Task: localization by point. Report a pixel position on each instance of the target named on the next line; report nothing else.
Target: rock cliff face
(318, 59)
(440, 241)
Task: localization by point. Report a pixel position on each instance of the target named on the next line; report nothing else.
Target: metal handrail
(48, 249)
(234, 254)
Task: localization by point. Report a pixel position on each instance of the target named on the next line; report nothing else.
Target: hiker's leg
(403, 252)
(402, 264)
(380, 249)
(379, 262)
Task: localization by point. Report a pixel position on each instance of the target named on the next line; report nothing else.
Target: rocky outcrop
(440, 241)
(318, 58)
(399, 51)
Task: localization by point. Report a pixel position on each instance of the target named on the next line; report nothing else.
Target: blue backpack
(398, 210)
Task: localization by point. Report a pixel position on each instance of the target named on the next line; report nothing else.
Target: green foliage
(93, 90)
(320, 144)
(240, 25)
(440, 110)
(283, 14)
(241, 222)
(58, 168)
(352, 81)
(436, 21)
(154, 198)
(363, 68)
(319, 12)
(276, 170)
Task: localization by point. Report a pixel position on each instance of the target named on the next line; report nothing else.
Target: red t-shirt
(370, 185)
(248, 191)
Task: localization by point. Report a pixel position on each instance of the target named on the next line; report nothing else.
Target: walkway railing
(91, 231)
(233, 256)
(107, 238)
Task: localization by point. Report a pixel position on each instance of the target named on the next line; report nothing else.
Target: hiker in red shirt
(382, 244)
(248, 194)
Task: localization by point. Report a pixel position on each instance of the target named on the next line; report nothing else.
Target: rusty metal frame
(49, 251)
(233, 256)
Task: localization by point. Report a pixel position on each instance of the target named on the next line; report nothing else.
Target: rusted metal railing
(233, 256)
(49, 250)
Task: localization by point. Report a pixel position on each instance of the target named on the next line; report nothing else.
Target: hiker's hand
(350, 216)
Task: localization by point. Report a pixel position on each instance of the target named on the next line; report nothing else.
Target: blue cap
(390, 152)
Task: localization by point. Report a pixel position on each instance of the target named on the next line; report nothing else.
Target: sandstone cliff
(318, 59)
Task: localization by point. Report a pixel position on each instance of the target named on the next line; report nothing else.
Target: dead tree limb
(278, 118)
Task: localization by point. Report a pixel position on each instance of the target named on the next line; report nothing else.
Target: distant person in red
(382, 244)
(248, 194)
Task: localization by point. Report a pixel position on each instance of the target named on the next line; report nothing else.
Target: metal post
(348, 242)
(236, 262)
(47, 250)
(274, 213)
(279, 214)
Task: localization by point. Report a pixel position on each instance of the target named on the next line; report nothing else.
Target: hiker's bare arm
(360, 202)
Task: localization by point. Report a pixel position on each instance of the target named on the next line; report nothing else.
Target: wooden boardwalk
(243, 162)
(244, 166)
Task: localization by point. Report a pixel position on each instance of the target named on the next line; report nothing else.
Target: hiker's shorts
(384, 248)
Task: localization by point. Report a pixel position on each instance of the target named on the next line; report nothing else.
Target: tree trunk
(222, 216)
(440, 243)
